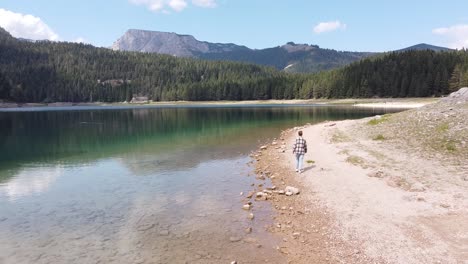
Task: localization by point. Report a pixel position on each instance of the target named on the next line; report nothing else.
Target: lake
(140, 185)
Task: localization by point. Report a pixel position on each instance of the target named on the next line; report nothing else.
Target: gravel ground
(387, 189)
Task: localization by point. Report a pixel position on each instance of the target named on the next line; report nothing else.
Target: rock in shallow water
(261, 196)
(246, 206)
(251, 216)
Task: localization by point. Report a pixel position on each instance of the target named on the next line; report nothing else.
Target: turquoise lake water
(139, 185)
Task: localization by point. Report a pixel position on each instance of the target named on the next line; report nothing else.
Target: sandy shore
(377, 103)
(392, 105)
(371, 193)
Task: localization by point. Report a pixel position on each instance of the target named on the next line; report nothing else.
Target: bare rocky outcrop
(460, 96)
(168, 43)
(159, 42)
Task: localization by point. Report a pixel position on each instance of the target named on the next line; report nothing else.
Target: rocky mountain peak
(293, 47)
(160, 42)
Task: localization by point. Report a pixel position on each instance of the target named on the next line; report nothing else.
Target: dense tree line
(396, 74)
(308, 59)
(56, 71)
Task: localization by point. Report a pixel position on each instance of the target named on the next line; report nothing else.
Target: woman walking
(300, 149)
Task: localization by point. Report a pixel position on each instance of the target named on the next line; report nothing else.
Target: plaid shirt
(300, 146)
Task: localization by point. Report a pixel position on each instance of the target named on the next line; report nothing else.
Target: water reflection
(84, 136)
(31, 181)
(137, 185)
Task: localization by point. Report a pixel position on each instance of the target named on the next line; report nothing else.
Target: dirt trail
(400, 207)
(372, 199)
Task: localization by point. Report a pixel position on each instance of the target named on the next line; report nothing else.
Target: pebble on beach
(246, 206)
(251, 216)
(292, 190)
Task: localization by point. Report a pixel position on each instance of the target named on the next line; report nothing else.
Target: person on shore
(300, 149)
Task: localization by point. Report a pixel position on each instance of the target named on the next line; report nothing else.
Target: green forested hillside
(309, 59)
(397, 74)
(292, 57)
(51, 71)
(56, 71)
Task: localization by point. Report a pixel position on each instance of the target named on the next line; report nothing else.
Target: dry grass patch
(379, 137)
(355, 160)
(377, 155)
(339, 137)
(450, 146)
(344, 152)
(442, 128)
(379, 120)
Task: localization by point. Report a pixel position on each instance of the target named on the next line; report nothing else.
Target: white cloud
(161, 5)
(205, 3)
(165, 6)
(329, 26)
(178, 5)
(153, 5)
(80, 40)
(26, 26)
(457, 35)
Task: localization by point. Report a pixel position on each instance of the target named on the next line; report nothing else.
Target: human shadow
(308, 168)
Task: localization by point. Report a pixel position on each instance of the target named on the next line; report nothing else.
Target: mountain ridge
(171, 43)
(290, 57)
(51, 71)
(425, 46)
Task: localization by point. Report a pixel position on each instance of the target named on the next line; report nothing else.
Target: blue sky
(360, 25)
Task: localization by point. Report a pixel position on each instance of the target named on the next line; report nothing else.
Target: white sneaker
(297, 170)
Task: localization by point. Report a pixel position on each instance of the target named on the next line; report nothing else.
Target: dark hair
(300, 133)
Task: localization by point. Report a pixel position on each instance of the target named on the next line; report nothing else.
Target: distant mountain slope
(291, 57)
(47, 71)
(424, 46)
(5, 35)
(169, 43)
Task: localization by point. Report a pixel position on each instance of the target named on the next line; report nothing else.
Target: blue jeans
(299, 160)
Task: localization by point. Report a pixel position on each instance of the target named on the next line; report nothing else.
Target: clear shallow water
(145, 185)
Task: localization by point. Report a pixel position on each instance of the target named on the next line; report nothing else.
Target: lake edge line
(368, 102)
